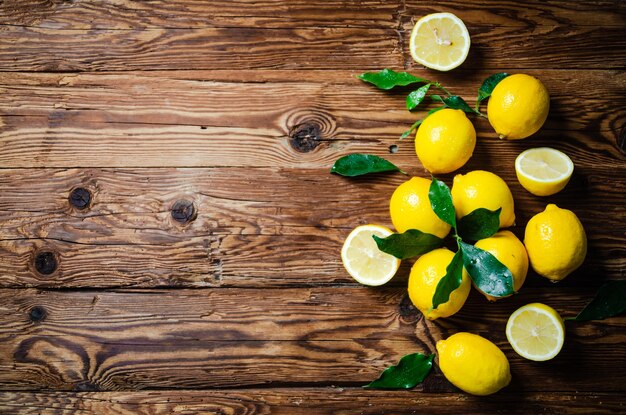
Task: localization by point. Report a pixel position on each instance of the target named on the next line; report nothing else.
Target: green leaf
(441, 202)
(489, 274)
(408, 244)
(479, 224)
(457, 103)
(450, 282)
(359, 164)
(416, 97)
(387, 78)
(610, 300)
(436, 98)
(411, 370)
(488, 85)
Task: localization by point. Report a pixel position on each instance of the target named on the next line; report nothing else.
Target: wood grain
(102, 340)
(207, 118)
(303, 401)
(264, 227)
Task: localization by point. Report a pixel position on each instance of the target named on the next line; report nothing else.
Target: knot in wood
(305, 137)
(37, 314)
(46, 262)
(407, 310)
(183, 211)
(80, 198)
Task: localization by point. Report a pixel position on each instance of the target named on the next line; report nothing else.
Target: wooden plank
(253, 118)
(259, 227)
(304, 401)
(102, 340)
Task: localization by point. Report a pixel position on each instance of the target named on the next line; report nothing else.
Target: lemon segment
(536, 332)
(543, 171)
(362, 258)
(440, 41)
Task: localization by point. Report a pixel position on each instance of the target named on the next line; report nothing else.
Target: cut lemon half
(440, 41)
(362, 258)
(543, 171)
(536, 332)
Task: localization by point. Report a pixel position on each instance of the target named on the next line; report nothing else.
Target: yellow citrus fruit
(556, 242)
(543, 171)
(410, 209)
(536, 332)
(518, 106)
(440, 41)
(473, 364)
(362, 258)
(425, 275)
(445, 141)
(510, 251)
(482, 189)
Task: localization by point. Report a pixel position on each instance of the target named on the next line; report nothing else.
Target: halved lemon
(362, 258)
(543, 171)
(536, 332)
(440, 41)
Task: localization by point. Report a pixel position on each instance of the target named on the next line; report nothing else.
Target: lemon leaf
(610, 300)
(411, 370)
(488, 86)
(441, 202)
(359, 164)
(479, 224)
(408, 244)
(450, 282)
(489, 274)
(387, 79)
(416, 97)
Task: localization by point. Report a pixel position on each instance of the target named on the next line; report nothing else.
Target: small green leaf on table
(488, 86)
(441, 202)
(387, 79)
(479, 224)
(408, 244)
(409, 372)
(357, 164)
(450, 282)
(489, 274)
(610, 300)
(416, 97)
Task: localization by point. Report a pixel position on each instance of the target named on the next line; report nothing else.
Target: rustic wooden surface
(240, 108)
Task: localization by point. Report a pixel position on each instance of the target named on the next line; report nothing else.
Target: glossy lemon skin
(483, 189)
(473, 364)
(410, 208)
(426, 273)
(445, 141)
(556, 242)
(518, 106)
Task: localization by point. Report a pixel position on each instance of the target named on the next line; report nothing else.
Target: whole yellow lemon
(473, 364)
(482, 189)
(510, 251)
(518, 106)
(445, 141)
(410, 209)
(556, 242)
(423, 280)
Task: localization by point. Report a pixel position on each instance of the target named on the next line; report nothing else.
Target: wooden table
(170, 232)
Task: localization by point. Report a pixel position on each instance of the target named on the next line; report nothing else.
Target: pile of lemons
(554, 242)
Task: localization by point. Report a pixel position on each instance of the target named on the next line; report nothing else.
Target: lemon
(510, 251)
(425, 275)
(473, 364)
(362, 258)
(482, 189)
(440, 41)
(518, 106)
(445, 141)
(536, 332)
(410, 209)
(543, 171)
(556, 242)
